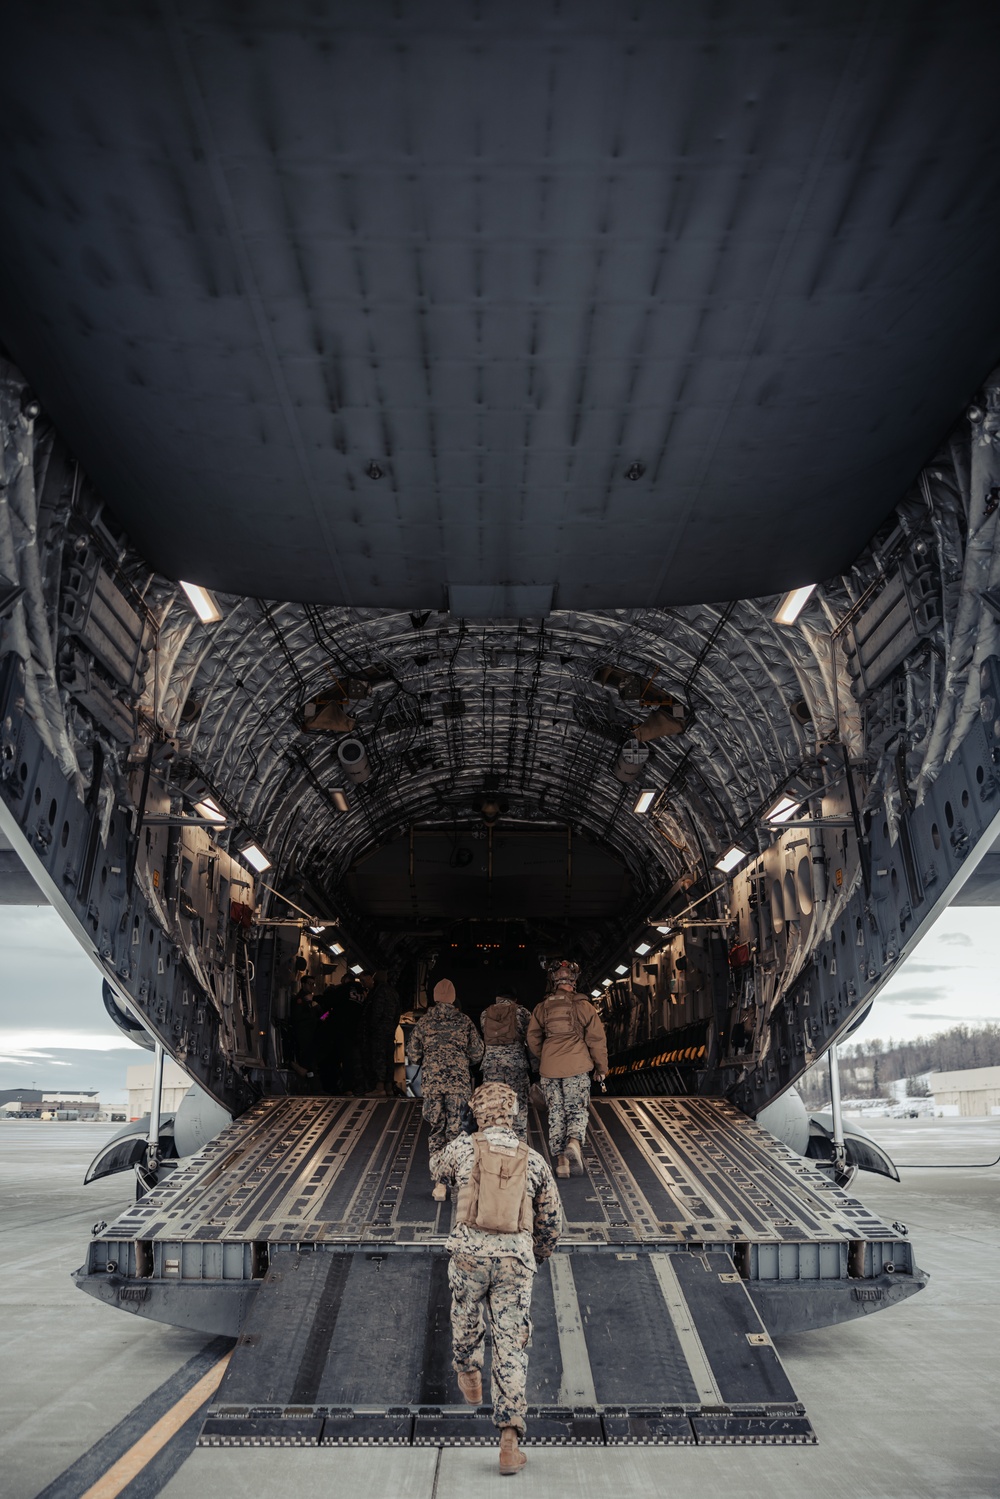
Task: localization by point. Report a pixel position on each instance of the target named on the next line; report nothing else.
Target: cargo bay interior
(439, 537)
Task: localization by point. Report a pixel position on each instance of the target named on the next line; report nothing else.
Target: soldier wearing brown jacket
(567, 1034)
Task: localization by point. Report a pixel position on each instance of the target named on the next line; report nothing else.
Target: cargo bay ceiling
(503, 308)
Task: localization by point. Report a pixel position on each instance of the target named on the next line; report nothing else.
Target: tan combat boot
(575, 1154)
(562, 1165)
(471, 1386)
(440, 1193)
(512, 1459)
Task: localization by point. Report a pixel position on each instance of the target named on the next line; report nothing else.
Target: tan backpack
(562, 1018)
(500, 1025)
(495, 1198)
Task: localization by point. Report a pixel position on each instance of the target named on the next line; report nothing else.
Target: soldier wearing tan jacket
(567, 1035)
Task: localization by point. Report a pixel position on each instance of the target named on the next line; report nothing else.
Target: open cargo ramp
(307, 1230)
(353, 1348)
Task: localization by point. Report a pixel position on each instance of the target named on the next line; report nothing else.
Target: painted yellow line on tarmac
(132, 1462)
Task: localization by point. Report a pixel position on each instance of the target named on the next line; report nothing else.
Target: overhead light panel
(356, 968)
(643, 949)
(606, 983)
(665, 931)
(202, 602)
(731, 858)
(621, 968)
(255, 857)
(336, 949)
(644, 801)
(210, 810)
(317, 929)
(339, 800)
(782, 809)
(595, 993)
(792, 604)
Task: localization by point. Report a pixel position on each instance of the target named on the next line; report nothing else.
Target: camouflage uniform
(497, 1270)
(568, 1103)
(449, 1046)
(509, 1064)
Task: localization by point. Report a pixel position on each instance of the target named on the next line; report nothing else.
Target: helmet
(561, 971)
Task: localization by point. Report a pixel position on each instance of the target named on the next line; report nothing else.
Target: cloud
(956, 939)
(914, 996)
(909, 968)
(950, 1018)
(57, 1039)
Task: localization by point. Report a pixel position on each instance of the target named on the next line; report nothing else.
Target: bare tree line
(868, 1067)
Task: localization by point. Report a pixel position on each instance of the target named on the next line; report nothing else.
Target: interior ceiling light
(621, 968)
(643, 949)
(606, 983)
(731, 858)
(595, 993)
(356, 968)
(664, 931)
(256, 857)
(782, 809)
(210, 810)
(202, 602)
(316, 929)
(336, 949)
(792, 604)
(644, 801)
(339, 800)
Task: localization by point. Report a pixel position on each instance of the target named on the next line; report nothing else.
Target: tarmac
(102, 1404)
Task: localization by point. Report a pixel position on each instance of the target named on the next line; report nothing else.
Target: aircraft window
(949, 815)
(935, 835)
(965, 798)
(53, 809)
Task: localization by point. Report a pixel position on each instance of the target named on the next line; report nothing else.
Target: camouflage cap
(493, 1103)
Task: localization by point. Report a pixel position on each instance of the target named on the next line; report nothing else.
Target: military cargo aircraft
(481, 484)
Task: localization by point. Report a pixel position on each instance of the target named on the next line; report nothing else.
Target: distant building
(140, 1088)
(972, 1093)
(34, 1102)
(24, 1101)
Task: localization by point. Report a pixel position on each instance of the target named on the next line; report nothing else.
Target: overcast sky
(54, 1031)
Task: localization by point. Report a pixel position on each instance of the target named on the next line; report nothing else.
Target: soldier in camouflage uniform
(497, 1270)
(447, 1044)
(507, 1062)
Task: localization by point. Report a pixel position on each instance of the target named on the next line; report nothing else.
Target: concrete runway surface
(102, 1404)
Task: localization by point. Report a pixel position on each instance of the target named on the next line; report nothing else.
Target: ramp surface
(649, 1347)
(353, 1170)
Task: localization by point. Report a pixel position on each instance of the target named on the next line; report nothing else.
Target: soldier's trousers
(568, 1100)
(506, 1064)
(443, 1112)
(502, 1286)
